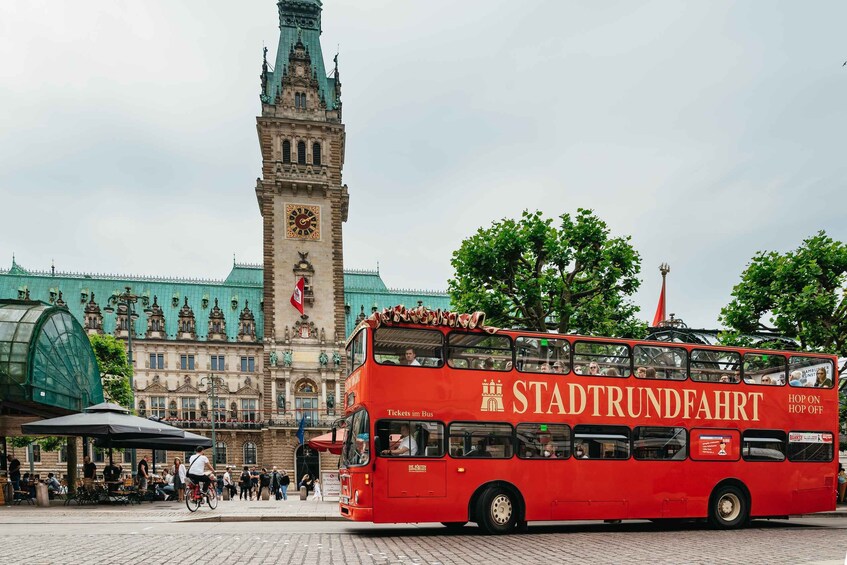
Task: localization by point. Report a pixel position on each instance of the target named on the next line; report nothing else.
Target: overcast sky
(706, 131)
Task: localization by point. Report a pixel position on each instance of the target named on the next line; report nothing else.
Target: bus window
(479, 351)
(764, 369)
(658, 443)
(601, 442)
(542, 355)
(714, 366)
(763, 445)
(484, 439)
(356, 350)
(810, 372)
(810, 446)
(410, 438)
(660, 362)
(406, 346)
(601, 359)
(543, 441)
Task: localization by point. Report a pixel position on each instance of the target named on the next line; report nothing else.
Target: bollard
(8, 493)
(226, 494)
(266, 494)
(304, 493)
(42, 497)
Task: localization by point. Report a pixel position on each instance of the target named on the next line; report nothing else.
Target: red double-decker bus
(448, 422)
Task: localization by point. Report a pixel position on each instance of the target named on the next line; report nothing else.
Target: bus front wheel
(497, 511)
(728, 508)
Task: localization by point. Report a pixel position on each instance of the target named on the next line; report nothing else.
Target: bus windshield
(356, 450)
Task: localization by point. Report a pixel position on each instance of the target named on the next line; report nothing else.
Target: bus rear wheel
(728, 508)
(497, 511)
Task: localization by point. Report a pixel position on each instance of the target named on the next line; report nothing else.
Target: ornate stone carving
(273, 358)
(217, 323)
(336, 359)
(287, 358)
(247, 324)
(323, 359)
(186, 325)
(93, 317)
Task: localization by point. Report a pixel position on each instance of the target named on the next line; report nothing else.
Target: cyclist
(197, 466)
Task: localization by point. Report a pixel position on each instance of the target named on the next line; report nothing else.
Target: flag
(301, 431)
(297, 297)
(660, 309)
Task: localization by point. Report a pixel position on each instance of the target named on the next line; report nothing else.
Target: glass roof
(45, 358)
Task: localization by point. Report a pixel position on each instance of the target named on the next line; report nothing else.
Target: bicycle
(194, 497)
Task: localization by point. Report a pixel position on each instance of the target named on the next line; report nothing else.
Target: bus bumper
(356, 513)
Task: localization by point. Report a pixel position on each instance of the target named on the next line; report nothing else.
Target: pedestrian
(142, 474)
(228, 484)
(284, 481)
(89, 471)
(178, 472)
(14, 471)
(254, 482)
(245, 484)
(264, 483)
(276, 483)
(318, 495)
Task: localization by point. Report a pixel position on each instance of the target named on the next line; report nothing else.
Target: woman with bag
(178, 471)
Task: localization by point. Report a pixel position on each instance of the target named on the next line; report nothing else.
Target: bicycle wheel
(192, 501)
(212, 498)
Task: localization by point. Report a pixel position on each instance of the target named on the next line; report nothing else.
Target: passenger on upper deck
(766, 380)
(558, 367)
(649, 373)
(822, 379)
(409, 357)
(593, 368)
(545, 368)
(641, 372)
(612, 372)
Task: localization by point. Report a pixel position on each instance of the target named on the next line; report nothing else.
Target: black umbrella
(105, 422)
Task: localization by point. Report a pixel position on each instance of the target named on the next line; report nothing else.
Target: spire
(299, 22)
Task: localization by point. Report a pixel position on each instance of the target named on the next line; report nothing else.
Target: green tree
(115, 370)
(568, 277)
(801, 294)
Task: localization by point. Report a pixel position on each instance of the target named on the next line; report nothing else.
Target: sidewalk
(292, 509)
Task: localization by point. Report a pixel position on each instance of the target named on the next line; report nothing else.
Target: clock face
(303, 222)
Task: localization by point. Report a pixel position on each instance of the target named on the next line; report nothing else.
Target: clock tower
(303, 203)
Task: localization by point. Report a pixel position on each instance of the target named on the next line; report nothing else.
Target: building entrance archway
(306, 460)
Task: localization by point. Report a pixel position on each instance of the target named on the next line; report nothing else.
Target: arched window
(297, 100)
(220, 453)
(142, 408)
(286, 151)
(306, 402)
(172, 409)
(301, 152)
(233, 409)
(249, 453)
(316, 154)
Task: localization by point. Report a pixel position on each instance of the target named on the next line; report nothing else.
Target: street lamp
(128, 299)
(212, 382)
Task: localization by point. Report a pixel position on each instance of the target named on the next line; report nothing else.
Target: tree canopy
(800, 294)
(115, 370)
(569, 277)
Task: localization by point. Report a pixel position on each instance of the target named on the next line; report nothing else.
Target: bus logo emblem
(417, 468)
(492, 396)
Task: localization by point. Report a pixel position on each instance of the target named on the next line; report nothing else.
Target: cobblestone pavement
(816, 541)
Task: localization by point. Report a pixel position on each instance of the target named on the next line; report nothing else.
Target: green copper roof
(363, 289)
(46, 360)
(300, 19)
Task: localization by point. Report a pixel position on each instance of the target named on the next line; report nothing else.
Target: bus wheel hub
(501, 509)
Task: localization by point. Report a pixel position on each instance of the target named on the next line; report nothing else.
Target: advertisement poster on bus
(330, 484)
(715, 445)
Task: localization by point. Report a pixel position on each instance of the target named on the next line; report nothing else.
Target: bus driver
(405, 445)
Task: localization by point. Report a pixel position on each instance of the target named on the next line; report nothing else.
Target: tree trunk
(72, 465)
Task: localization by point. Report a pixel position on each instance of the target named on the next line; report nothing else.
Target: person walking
(178, 471)
(284, 481)
(275, 483)
(245, 484)
(264, 483)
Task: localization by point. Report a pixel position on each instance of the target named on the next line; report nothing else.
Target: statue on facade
(273, 358)
(336, 359)
(330, 401)
(280, 401)
(323, 336)
(287, 358)
(323, 359)
(287, 335)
